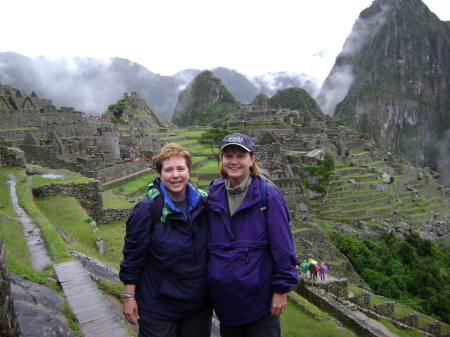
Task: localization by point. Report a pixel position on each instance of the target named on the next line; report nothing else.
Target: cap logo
(235, 139)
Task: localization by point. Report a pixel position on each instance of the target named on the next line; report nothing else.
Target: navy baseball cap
(238, 139)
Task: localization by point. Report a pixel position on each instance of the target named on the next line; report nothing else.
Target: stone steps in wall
(356, 196)
(349, 305)
(362, 161)
(358, 202)
(419, 185)
(376, 164)
(358, 178)
(429, 192)
(427, 201)
(346, 171)
(366, 184)
(441, 207)
(385, 210)
(409, 211)
(350, 191)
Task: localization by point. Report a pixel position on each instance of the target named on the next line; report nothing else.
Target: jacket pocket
(191, 290)
(238, 268)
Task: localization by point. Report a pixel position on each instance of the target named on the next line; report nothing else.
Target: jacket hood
(156, 188)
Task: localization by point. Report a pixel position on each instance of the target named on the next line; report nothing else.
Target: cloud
(341, 77)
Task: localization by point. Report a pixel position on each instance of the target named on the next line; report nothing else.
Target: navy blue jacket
(168, 265)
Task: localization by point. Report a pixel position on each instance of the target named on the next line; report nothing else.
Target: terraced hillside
(373, 191)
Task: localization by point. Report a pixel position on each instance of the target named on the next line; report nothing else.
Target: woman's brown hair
(254, 170)
(172, 150)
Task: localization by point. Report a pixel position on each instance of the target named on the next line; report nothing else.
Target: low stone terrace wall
(318, 298)
(11, 157)
(88, 194)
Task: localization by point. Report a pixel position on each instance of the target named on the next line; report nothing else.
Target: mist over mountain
(90, 84)
(391, 81)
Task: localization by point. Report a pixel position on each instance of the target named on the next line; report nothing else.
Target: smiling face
(175, 176)
(236, 163)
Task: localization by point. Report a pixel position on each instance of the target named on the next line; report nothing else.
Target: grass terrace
(210, 167)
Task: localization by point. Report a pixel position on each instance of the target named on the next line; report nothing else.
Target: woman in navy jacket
(252, 256)
(164, 265)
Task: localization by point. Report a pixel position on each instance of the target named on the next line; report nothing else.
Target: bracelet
(128, 295)
(129, 298)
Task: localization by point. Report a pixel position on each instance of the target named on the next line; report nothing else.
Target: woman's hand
(130, 310)
(278, 306)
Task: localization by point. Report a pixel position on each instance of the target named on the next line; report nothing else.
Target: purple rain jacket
(169, 265)
(250, 258)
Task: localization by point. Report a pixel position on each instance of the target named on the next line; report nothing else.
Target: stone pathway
(377, 325)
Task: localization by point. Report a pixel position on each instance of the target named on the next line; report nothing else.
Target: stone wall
(316, 296)
(11, 157)
(88, 194)
(9, 325)
(387, 310)
(113, 214)
(413, 321)
(39, 154)
(362, 300)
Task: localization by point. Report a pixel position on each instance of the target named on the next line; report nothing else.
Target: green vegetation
(322, 171)
(210, 167)
(302, 318)
(134, 185)
(295, 99)
(414, 272)
(205, 89)
(212, 138)
(115, 201)
(215, 115)
(117, 111)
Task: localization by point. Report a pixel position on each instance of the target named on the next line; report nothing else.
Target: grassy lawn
(209, 167)
(206, 150)
(196, 134)
(194, 147)
(135, 184)
(115, 201)
(295, 322)
(77, 224)
(11, 228)
(196, 159)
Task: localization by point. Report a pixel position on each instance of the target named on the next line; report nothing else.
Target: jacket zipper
(246, 255)
(193, 243)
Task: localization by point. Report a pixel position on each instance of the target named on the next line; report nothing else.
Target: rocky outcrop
(39, 309)
(9, 325)
(391, 81)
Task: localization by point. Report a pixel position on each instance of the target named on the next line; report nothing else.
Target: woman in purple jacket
(252, 256)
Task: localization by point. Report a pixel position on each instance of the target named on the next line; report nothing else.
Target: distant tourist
(312, 270)
(252, 261)
(323, 270)
(316, 270)
(166, 253)
(304, 267)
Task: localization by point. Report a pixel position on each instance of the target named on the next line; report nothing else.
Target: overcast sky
(251, 36)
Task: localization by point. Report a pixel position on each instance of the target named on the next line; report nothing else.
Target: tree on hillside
(117, 111)
(213, 139)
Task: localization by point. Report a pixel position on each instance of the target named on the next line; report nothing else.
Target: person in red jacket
(252, 263)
